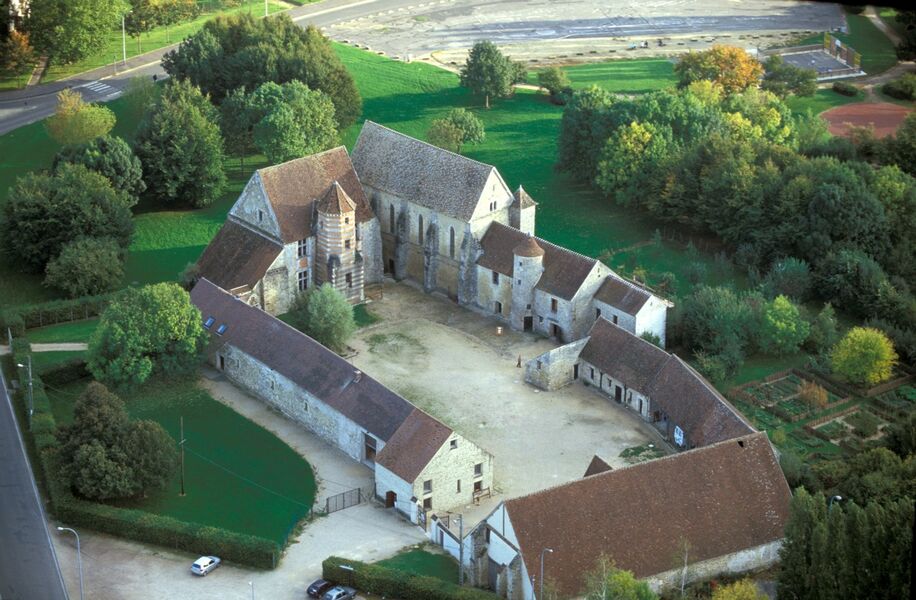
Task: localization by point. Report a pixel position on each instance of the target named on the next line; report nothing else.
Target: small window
(478, 470)
(451, 242)
(346, 220)
(428, 486)
(391, 218)
(302, 248)
(221, 329)
(495, 278)
(614, 318)
(453, 444)
(260, 216)
(420, 230)
(209, 322)
(349, 279)
(528, 306)
(540, 319)
(597, 312)
(347, 244)
(303, 280)
(427, 504)
(458, 487)
(539, 365)
(593, 373)
(553, 305)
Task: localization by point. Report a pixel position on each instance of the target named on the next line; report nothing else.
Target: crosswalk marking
(98, 87)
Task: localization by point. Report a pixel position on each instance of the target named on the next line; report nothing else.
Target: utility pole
(181, 444)
(460, 549)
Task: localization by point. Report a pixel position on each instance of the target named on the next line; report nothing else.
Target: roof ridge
(233, 219)
(628, 283)
(548, 243)
(292, 160)
(640, 338)
(432, 146)
(720, 396)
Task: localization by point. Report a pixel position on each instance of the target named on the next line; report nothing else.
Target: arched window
(420, 230)
(451, 242)
(391, 218)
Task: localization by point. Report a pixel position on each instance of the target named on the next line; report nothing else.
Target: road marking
(98, 87)
(330, 10)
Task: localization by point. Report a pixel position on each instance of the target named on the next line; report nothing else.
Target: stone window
(528, 306)
(453, 444)
(553, 305)
(614, 319)
(539, 365)
(420, 229)
(478, 470)
(303, 280)
(347, 244)
(451, 242)
(593, 373)
(260, 215)
(301, 250)
(597, 312)
(495, 278)
(391, 218)
(540, 319)
(427, 504)
(498, 308)
(349, 279)
(428, 486)
(346, 220)
(458, 487)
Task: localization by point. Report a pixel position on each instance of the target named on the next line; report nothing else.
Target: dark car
(318, 587)
(339, 593)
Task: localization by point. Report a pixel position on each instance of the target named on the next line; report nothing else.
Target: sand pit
(884, 117)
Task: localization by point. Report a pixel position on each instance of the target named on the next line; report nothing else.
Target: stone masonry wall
(554, 369)
(253, 208)
(449, 466)
(744, 561)
(386, 481)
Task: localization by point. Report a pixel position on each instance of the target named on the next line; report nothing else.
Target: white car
(204, 565)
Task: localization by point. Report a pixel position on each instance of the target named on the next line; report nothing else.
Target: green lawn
(877, 50)
(363, 316)
(823, 99)
(423, 562)
(238, 475)
(622, 76)
(42, 361)
(76, 331)
(888, 15)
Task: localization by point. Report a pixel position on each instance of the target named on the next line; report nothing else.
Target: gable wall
(449, 466)
(489, 293)
(652, 317)
(251, 200)
(624, 320)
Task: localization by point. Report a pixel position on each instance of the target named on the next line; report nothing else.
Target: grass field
(822, 100)
(878, 52)
(76, 331)
(623, 76)
(42, 361)
(238, 475)
(889, 16)
(423, 562)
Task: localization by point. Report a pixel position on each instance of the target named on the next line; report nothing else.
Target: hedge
(20, 318)
(845, 89)
(388, 583)
(126, 523)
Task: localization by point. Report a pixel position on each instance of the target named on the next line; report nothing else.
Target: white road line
(330, 10)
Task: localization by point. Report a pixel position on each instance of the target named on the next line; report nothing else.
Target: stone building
(419, 463)
(661, 387)
(297, 224)
(727, 502)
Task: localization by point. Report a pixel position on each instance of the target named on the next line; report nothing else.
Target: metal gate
(346, 500)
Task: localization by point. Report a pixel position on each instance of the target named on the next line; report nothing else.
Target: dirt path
(58, 347)
(872, 15)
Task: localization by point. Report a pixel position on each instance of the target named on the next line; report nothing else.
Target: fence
(346, 499)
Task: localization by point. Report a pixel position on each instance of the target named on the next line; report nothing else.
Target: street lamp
(31, 406)
(830, 502)
(251, 585)
(79, 556)
(541, 593)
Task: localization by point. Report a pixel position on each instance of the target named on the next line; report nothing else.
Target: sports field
(238, 475)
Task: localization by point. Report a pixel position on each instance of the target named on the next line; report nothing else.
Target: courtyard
(452, 363)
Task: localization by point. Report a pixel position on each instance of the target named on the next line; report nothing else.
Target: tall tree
(110, 157)
(784, 79)
(68, 30)
(584, 130)
(325, 315)
(554, 80)
(47, 211)
(17, 57)
(487, 72)
(179, 145)
(458, 127)
(242, 51)
(76, 122)
(732, 68)
(783, 329)
(864, 356)
(146, 330)
(86, 266)
(291, 122)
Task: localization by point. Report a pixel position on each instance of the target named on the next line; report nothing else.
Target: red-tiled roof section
(293, 188)
(336, 201)
(301, 359)
(597, 466)
(720, 499)
(237, 257)
(622, 294)
(564, 270)
(413, 445)
(521, 199)
(622, 355)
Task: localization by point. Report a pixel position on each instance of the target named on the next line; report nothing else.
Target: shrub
(845, 89)
(815, 396)
(902, 89)
(86, 266)
(554, 80)
(324, 314)
(56, 311)
(111, 157)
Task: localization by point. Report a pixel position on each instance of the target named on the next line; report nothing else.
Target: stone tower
(337, 257)
(527, 267)
(521, 211)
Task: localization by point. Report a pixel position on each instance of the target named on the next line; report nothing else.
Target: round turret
(528, 248)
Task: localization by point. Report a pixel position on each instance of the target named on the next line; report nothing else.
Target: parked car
(318, 587)
(339, 592)
(205, 564)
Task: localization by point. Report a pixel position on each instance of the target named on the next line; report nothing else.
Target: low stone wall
(554, 369)
(743, 561)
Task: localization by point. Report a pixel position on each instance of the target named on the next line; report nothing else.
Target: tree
(142, 18)
(901, 437)
(242, 51)
(141, 93)
(86, 266)
(584, 129)
(459, 127)
(47, 211)
(180, 148)
(487, 72)
(652, 338)
(75, 122)
(790, 277)
(630, 161)
(864, 356)
(732, 68)
(324, 314)
(607, 582)
(823, 334)
(68, 30)
(784, 79)
(17, 57)
(444, 134)
(110, 157)
(144, 331)
(554, 80)
(783, 328)
(298, 123)
(744, 589)
(106, 456)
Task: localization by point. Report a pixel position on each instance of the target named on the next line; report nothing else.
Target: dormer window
(209, 322)
(221, 329)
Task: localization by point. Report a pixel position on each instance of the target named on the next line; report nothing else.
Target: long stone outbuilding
(420, 464)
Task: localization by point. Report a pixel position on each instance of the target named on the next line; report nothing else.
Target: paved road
(28, 564)
(107, 83)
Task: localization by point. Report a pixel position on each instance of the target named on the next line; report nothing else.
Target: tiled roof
(413, 445)
(597, 466)
(301, 359)
(564, 270)
(672, 386)
(237, 257)
(293, 188)
(521, 199)
(528, 247)
(335, 201)
(622, 294)
(422, 173)
(720, 499)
